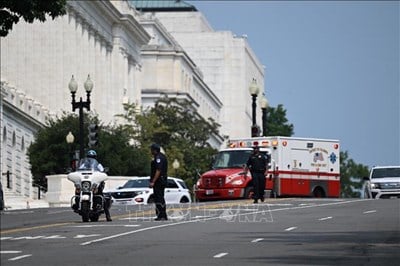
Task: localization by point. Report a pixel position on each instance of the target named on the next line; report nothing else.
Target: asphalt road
(277, 232)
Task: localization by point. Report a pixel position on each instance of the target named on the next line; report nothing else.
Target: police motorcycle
(88, 202)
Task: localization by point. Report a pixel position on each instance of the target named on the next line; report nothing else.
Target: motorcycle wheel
(85, 211)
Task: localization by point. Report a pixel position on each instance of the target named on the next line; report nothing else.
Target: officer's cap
(155, 147)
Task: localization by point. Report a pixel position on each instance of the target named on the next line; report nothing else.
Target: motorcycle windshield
(88, 164)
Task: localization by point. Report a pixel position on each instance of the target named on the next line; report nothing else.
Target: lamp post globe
(88, 84)
(175, 165)
(70, 138)
(253, 88)
(73, 87)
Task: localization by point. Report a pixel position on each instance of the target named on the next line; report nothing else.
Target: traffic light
(255, 131)
(93, 135)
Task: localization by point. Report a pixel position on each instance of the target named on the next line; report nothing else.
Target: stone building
(132, 54)
(227, 62)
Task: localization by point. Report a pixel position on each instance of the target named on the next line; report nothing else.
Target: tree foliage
(182, 133)
(277, 123)
(51, 154)
(12, 10)
(351, 176)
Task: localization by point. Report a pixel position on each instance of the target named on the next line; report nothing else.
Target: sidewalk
(20, 203)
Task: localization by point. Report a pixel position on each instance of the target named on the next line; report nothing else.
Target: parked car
(383, 182)
(137, 191)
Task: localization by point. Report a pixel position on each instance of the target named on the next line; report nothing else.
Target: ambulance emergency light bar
(264, 144)
(251, 144)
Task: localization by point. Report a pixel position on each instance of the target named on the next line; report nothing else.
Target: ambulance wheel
(319, 192)
(249, 193)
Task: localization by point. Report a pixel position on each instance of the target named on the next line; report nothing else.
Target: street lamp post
(73, 87)
(254, 90)
(175, 165)
(70, 139)
(264, 106)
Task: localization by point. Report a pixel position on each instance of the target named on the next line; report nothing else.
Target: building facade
(109, 40)
(100, 38)
(227, 62)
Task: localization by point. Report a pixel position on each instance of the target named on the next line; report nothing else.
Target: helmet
(91, 154)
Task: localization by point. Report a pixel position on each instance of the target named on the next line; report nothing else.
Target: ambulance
(303, 167)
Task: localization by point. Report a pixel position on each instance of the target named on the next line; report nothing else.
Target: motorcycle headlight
(86, 186)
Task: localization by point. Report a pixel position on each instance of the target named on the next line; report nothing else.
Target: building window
(22, 143)
(14, 139)
(4, 134)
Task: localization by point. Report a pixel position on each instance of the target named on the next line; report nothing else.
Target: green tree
(351, 176)
(277, 123)
(12, 10)
(115, 152)
(182, 133)
(51, 154)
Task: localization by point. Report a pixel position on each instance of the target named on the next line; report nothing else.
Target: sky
(333, 65)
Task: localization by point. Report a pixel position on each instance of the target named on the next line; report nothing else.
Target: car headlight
(374, 185)
(237, 182)
(142, 192)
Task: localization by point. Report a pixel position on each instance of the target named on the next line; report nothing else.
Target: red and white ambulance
(298, 167)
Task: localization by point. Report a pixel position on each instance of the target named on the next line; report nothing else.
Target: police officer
(107, 201)
(257, 164)
(158, 181)
(91, 154)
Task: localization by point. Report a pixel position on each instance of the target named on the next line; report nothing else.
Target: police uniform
(107, 201)
(257, 163)
(159, 162)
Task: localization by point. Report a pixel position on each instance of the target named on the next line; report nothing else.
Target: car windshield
(137, 183)
(88, 164)
(231, 159)
(385, 172)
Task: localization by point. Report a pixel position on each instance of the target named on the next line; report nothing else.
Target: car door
(172, 192)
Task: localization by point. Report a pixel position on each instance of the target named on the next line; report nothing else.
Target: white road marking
(325, 218)
(83, 236)
(5, 237)
(10, 251)
(20, 257)
(257, 240)
(201, 217)
(106, 225)
(220, 255)
(215, 218)
(27, 237)
(290, 228)
(371, 211)
(54, 237)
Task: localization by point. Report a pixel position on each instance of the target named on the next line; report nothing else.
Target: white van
(383, 182)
